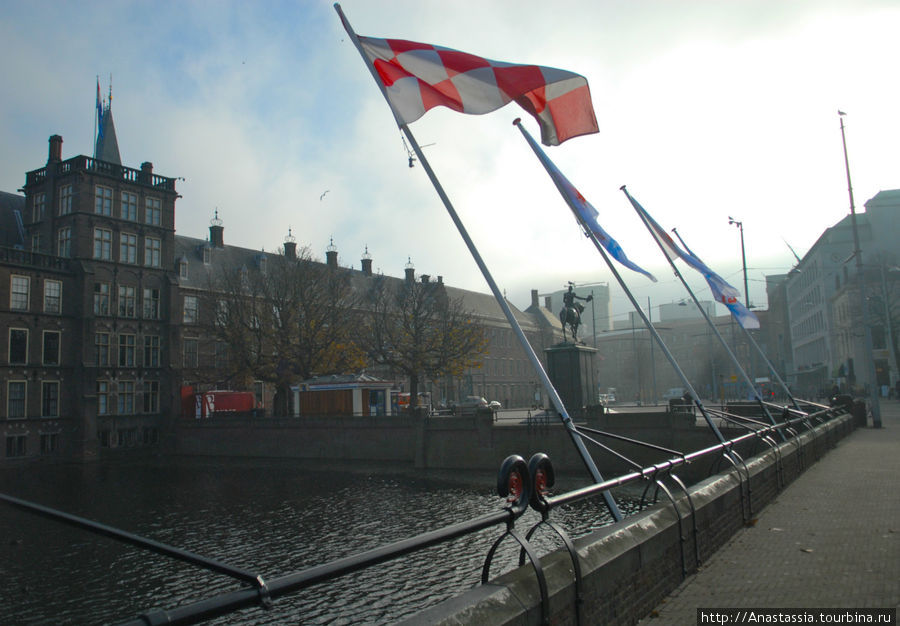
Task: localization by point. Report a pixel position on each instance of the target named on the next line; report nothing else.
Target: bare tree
(288, 320)
(416, 329)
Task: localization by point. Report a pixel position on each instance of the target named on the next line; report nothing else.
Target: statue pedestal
(571, 369)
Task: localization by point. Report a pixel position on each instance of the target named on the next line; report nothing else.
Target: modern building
(812, 286)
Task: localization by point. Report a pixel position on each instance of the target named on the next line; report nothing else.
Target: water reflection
(271, 517)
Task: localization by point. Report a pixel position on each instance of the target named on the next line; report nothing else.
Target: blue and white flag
(587, 214)
(721, 290)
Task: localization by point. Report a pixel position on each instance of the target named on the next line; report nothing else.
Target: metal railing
(522, 484)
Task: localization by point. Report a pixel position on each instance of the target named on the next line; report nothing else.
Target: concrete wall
(630, 567)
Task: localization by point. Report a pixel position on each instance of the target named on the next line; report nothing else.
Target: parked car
(675, 393)
(470, 403)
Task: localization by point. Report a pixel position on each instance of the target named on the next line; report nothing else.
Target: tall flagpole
(529, 351)
(758, 350)
(590, 234)
(705, 315)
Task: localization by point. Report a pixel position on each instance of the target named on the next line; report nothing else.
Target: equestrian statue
(571, 312)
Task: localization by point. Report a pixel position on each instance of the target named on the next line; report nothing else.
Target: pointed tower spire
(107, 146)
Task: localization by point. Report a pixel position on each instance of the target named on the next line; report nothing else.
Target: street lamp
(864, 306)
(740, 225)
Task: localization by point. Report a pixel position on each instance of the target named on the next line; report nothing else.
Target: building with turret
(100, 302)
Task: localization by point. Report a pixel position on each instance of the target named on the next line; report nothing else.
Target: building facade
(812, 286)
(87, 315)
(101, 304)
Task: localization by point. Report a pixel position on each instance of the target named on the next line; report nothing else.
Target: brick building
(99, 301)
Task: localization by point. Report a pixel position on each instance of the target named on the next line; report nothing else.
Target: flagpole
(637, 308)
(529, 351)
(705, 314)
(753, 343)
(96, 121)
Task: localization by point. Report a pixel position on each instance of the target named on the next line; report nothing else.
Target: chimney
(425, 279)
(216, 232)
(55, 155)
(410, 270)
(146, 175)
(548, 302)
(331, 255)
(440, 280)
(534, 298)
(290, 246)
(366, 263)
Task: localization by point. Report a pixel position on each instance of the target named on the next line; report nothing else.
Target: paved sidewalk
(831, 539)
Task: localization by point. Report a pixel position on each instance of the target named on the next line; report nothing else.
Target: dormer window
(207, 255)
(263, 262)
(182, 268)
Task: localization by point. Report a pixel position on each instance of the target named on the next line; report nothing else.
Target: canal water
(271, 517)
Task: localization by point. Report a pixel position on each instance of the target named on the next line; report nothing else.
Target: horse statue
(571, 313)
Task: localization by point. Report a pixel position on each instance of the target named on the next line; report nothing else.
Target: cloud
(706, 109)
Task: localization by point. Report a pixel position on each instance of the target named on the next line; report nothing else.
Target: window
(207, 255)
(19, 291)
(37, 242)
(152, 247)
(103, 200)
(152, 211)
(50, 399)
(102, 397)
(18, 346)
(190, 357)
(51, 347)
(129, 206)
(151, 304)
(39, 207)
(101, 298)
(126, 350)
(102, 244)
(15, 445)
(151, 351)
(65, 199)
(151, 396)
(191, 309)
(52, 296)
(221, 317)
(182, 268)
(101, 347)
(127, 301)
(221, 355)
(15, 399)
(127, 248)
(49, 443)
(64, 242)
(126, 397)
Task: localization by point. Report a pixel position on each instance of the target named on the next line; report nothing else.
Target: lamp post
(740, 225)
(864, 306)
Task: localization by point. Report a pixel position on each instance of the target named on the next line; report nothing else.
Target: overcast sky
(707, 109)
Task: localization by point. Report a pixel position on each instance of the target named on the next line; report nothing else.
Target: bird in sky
(323, 195)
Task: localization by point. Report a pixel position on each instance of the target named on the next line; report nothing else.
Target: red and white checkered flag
(416, 77)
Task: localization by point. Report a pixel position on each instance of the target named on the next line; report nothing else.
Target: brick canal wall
(630, 567)
(468, 442)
